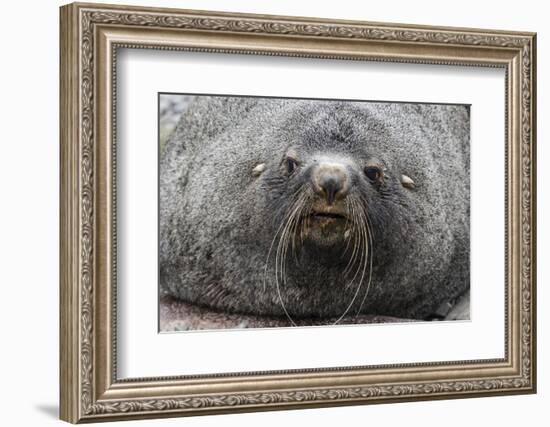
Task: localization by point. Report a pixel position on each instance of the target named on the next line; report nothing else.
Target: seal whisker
(357, 252)
(356, 242)
(346, 230)
(269, 253)
(291, 230)
(369, 254)
(280, 257)
(364, 263)
(371, 238)
(354, 227)
(285, 236)
(297, 222)
(296, 194)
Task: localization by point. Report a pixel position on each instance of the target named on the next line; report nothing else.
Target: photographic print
(329, 206)
(282, 212)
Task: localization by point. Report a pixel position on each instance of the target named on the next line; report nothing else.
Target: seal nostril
(331, 187)
(330, 181)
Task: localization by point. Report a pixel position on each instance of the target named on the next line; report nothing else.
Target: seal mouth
(324, 216)
(327, 224)
(327, 214)
(323, 225)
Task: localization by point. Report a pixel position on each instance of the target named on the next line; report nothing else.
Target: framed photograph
(266, 212)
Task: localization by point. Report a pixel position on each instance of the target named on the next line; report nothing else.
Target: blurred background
(171, 106)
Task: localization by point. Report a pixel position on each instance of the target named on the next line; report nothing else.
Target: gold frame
(90, 35)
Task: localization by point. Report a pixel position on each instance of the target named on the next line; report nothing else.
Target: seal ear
(407, 182)
(257, 171)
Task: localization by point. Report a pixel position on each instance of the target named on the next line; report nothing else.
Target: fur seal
(316, 209)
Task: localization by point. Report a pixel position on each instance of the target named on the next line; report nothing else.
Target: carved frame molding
(90, 35)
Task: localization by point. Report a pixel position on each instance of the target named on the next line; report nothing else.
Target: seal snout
(330, 181)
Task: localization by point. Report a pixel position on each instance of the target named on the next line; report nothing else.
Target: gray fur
(218, 219)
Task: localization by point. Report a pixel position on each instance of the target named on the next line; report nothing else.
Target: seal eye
(291, 164)
(373, 173)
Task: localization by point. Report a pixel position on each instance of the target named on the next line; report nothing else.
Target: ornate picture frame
(90, 37)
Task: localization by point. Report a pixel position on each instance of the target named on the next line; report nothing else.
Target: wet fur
(218, 222)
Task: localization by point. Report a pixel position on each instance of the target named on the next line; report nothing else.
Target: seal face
(316, 209)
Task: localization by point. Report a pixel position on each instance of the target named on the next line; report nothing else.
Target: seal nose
(331, 181)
